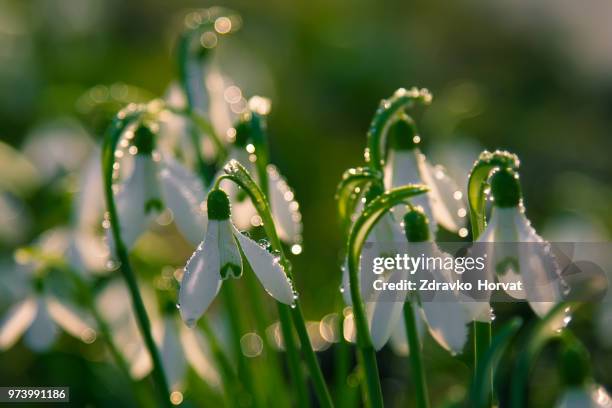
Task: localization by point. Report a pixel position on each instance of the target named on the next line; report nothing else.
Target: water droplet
(342, 287)
(293, 305)
(492, 314)
(178, 306)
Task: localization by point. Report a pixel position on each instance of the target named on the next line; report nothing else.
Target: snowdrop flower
(445, 314)
(218, 258)
(38, 314)
(114, 305)
(405, 164)
(152, 183)
(525, 257)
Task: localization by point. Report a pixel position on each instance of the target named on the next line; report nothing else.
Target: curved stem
(477, 185)
(119, 124)
(357, 236)
(239, 175)
(415, 356)
(387, 110)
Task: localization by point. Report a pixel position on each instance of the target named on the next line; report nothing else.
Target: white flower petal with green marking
(183, 195)
(229, 254)
(267, 268)
(532, 265)
(16, 322)
(43, 331)
(202, 279)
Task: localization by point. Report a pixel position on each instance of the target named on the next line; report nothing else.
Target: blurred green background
(531, 77)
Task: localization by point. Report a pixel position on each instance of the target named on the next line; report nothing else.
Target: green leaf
(481, 384)
(549, 328)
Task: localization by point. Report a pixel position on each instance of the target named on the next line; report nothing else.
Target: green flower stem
(244, 370)
(480, 390)
(254, 124)
(477, 185)
(228, 376)
(357, 236)
(276, 386)
(341, 359)
(239, 175)
(416, 361)
(231, 303)
(123, 119)
(293, 357)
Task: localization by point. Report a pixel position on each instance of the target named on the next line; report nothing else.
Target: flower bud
(403, 134)
(218, 205)
(416, 225)
(506, 188)
(144, 140)
(375, 190)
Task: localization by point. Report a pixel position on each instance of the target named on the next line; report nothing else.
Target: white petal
(115, 307)
(399, 339)
(199, 356)
(403, 168)
(195, 81)
(221, 116)
(172, 356)
(16, 321)
(90, 203)
(139, 188)
(88, 252)
(447, 321)
(384, 314)
(201, 280)
(183, 195)
(539, 269)
(267, 268)
(448, 208)
(287, 217)
(503, 235)
(71, 320)
(43, 331)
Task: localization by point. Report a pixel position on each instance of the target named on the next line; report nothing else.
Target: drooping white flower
(515, 253)
(446, 313)
(39, 316)
(153, 184)
(218, 257)
(405, 164)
